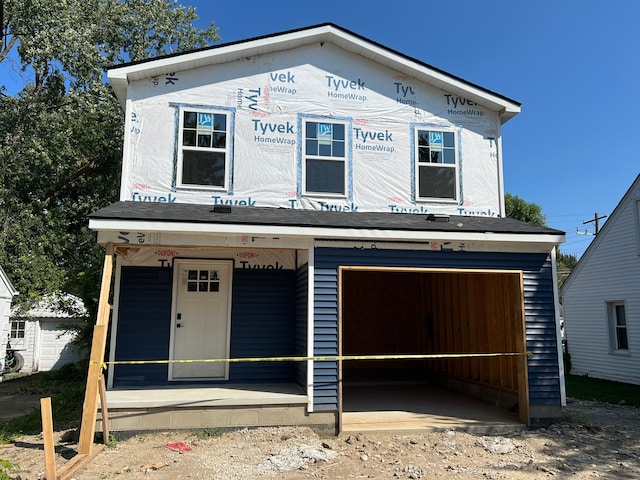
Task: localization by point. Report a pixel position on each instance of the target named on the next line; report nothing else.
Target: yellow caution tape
(326, 358)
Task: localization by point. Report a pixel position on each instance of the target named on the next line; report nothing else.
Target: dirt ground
(593, 441)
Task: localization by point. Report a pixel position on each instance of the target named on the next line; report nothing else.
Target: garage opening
(473, 319)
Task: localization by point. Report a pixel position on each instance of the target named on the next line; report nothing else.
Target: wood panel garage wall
(449, 312)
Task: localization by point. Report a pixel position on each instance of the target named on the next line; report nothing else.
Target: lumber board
(69, 469)
(103, 407)
(47, 434)
(98, 346)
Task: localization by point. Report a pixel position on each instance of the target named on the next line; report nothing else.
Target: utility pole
(596, 220)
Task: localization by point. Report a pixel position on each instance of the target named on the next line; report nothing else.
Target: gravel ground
(593, 441)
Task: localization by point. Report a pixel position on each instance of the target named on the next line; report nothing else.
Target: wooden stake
(103, 407)
(98, 346)
(47, 433)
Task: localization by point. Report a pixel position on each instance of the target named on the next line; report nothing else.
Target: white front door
(201, 319)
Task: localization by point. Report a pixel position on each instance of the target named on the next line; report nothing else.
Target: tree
(529, 212)
(61, 134)
(520, 209)
(565, 262)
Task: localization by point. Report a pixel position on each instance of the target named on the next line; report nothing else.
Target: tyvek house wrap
(269, 96)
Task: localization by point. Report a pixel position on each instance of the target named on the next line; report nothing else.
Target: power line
(596, 220)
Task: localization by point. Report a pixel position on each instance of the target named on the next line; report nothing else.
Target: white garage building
(40, 336)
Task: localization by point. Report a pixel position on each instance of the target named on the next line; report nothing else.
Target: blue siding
(144, 321)
(543, 369)
(263, 324)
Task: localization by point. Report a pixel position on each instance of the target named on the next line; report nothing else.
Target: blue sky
(573, 64)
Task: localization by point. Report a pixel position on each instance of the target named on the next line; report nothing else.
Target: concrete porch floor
(413, 407)
(185, 396)
(366, 408)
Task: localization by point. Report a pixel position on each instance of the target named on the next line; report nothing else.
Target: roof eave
(320, 232)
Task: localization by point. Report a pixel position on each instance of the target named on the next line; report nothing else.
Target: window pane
(219, 140)
(189, 138)
(621, 319)
(220, 123)
(423, 155)
(435, 156)
(203, 168)
(623, 343)
(190, 119)
(437, 182)
(338, 149)
(448, 140)
(205, 122)
(325, 176)
(204, 141)
(312, 147)
(423, 138)
(449, 156)
(338, 131)
(311, 130)
(324, 149)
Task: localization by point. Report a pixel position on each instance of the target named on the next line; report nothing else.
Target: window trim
(415, 163)
(228, 150)
(346, 160)
(612, 320)
(18, 329)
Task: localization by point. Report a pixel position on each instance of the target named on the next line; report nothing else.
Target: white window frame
(612, 316)
(344, 159)
(182, 148)
(455, 166)
(16, 330)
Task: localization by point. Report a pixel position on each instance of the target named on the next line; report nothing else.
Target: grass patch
(587, 388)
(65, 387)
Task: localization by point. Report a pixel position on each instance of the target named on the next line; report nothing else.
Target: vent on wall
(221, 209)
(437, 217)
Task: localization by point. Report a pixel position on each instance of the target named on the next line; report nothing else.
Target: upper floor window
(325, 158)
(203, 159)
(618, 326)
(436, 165)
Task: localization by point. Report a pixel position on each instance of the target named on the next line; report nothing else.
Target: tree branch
(62, 184)
(8, 48)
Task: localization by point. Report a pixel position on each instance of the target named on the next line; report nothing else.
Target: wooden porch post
(98, 346)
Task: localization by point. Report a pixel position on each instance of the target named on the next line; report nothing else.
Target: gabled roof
(55, 306)
(598, 239)
(6, 288)
(121, 75)
(188, 218)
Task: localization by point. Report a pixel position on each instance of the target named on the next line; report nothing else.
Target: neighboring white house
(601, 298)
(40, 335)
(7, 292)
